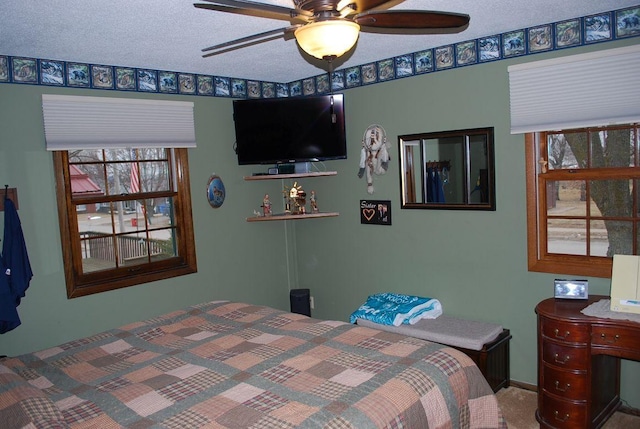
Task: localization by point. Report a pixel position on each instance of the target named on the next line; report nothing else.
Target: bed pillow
(24, 405)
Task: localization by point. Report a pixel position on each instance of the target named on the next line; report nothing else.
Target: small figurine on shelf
(295, 199)
(301, 201)
(313, 202)
(287, 201)
(266, 205)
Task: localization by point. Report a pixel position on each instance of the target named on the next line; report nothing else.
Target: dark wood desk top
(569, 310)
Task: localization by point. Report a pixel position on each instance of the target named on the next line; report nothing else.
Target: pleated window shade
(74, 122)
(593, 89)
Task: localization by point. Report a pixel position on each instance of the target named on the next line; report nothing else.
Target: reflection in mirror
(448, 170)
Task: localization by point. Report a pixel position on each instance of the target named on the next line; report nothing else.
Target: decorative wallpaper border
(602, 27)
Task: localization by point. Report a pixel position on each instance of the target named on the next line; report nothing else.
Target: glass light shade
(327, 38)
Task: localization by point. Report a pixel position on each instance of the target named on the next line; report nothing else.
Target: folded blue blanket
(397, 309)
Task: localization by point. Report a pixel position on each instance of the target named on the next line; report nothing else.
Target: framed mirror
(448, 170)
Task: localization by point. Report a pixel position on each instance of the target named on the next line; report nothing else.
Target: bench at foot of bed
(487, 344)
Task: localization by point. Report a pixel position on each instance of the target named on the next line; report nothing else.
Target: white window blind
(74, 122)
(592, 89)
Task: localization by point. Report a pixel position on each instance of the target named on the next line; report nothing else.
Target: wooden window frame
(538, 259)
(80, 284)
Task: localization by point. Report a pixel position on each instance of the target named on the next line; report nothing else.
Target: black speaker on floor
(300, 301)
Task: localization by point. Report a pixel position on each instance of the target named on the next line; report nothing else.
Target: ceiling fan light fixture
(329, 38)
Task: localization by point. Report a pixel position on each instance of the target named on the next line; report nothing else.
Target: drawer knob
(556, 357)
(566, 386)
(609, 340)
(557, 334)
(560, 419)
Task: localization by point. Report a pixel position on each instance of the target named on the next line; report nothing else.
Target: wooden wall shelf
(290, 176)
(283, 216)
(288, 216)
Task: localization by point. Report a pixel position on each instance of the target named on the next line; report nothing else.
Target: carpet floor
(519, 409)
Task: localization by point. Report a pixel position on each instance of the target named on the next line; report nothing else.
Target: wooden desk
(579, 363)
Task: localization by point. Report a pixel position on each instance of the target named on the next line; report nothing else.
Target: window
(125, 217)
(583, 191)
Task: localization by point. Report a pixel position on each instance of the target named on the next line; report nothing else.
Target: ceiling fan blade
(412, 20)
(262, 7)
(250, 12)
(244, 42)
(240, 46)
(361, 6)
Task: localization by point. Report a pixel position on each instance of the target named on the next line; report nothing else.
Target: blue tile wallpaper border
(602, 27)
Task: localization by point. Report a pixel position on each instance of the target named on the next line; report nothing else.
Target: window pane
(93, 223)
(151, 154)
(164, 207)
(87, 180)
(163, 242)
(566, 198)
(118, 179)
(611, 237)
(612, 148)
(138, 250)
(567, 236)
(154, 176)
(158, 221)
(611, 198)
(97, 252)
(90, 155)
(133, 249)
(567, 150)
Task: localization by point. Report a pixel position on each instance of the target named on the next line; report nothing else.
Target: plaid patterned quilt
(235, 365)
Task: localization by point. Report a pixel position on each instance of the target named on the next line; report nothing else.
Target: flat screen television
(290, 130)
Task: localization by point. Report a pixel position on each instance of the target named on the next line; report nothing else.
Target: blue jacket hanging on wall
(435, 190)
(15, 269)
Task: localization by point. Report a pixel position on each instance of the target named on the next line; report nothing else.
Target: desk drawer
(565, 356)
(564, 331)
(617, 338)
(569, 385)
(564, 414)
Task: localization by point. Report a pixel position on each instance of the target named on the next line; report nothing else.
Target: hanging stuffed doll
(374, 157)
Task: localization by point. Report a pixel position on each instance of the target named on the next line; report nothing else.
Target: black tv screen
(287, 130)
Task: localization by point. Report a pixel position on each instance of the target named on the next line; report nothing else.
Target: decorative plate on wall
(215, 191)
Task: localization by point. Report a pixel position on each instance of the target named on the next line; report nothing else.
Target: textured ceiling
(169, 34)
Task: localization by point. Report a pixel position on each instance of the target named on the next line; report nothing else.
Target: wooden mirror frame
(457, 166)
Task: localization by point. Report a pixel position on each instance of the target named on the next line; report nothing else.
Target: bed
(228, 364)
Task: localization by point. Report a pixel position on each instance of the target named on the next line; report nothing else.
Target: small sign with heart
(375, 212)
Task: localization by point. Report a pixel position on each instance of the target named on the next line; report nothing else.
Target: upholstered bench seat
(447, 330)
(486, 343)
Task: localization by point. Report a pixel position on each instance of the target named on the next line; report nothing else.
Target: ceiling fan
(326, 29)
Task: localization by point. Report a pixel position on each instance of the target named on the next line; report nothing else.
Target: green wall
(474, 262)
(233, 260)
